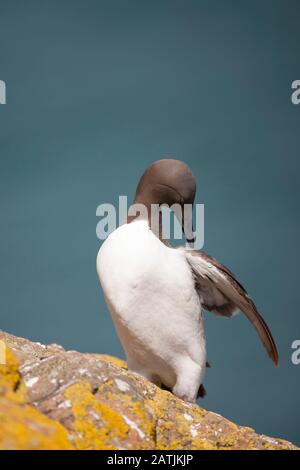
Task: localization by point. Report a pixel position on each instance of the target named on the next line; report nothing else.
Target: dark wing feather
(221, 292)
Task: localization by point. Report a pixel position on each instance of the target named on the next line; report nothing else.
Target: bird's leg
(201, 392)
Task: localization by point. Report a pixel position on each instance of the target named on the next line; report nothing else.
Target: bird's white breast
(149, 289)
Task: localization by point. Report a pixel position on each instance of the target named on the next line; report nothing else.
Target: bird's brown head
(168, 182)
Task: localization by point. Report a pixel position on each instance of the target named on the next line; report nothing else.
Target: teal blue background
(96, 91)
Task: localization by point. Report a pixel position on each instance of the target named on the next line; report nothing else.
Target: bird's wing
(220, 292)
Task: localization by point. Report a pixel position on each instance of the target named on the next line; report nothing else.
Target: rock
(22, 426)
(56, 399)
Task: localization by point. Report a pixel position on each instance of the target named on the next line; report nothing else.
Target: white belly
(149, 289)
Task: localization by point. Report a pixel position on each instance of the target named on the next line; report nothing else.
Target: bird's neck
(151, 213)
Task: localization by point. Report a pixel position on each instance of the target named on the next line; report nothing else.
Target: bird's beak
(187, 223)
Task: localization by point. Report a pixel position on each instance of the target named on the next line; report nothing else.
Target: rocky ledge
(56, 399)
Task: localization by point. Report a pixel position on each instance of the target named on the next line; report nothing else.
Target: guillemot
(156, 293)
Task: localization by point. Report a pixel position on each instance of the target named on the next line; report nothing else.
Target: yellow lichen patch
(135, 410)
(177, 425)
(267, 445)
(226, 441)
(105, 386)
(10, 378)
(23, 427)
(113, 360)
(88, 412)
(277, 445)
(147, 421)
(165, 408)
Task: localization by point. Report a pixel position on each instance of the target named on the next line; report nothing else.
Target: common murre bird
(156, 294)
